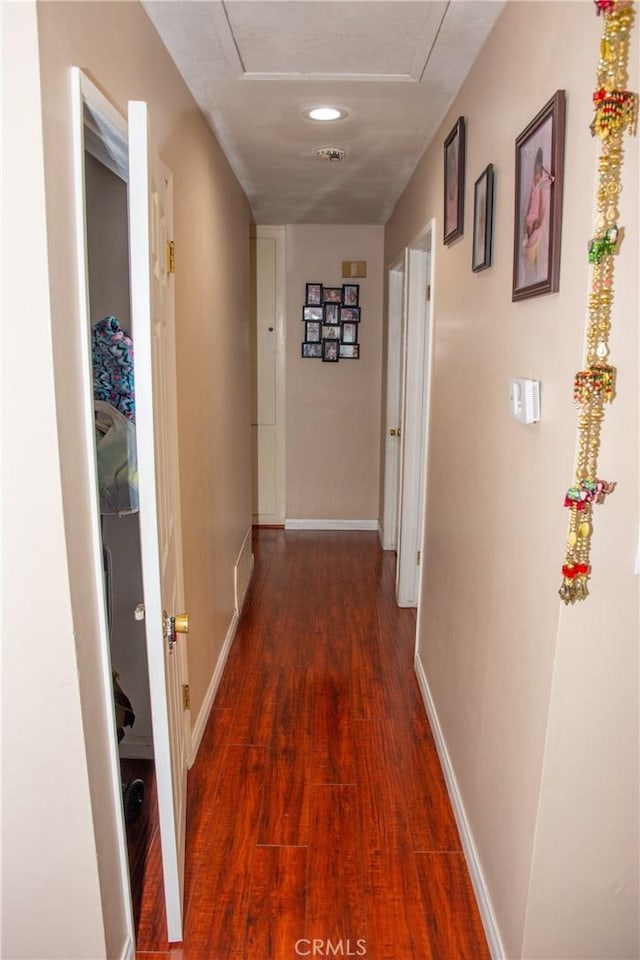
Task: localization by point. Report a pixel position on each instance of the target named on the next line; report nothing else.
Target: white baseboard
(331, 524)
(475, 869)
(203, 714)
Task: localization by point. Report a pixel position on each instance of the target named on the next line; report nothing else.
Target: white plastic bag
(117, 460)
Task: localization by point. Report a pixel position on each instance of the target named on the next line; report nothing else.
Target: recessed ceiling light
(325, 113)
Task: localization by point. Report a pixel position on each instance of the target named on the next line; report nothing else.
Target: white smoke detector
(330, 153)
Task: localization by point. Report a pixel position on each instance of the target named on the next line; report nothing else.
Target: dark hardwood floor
(318, 821)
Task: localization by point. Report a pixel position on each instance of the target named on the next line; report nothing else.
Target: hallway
(318, 820)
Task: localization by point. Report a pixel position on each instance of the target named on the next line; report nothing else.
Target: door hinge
(428, 293)
(186, 697)
(418, 558)
(171, 256)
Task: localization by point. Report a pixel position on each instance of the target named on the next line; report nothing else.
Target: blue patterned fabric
(112, 355)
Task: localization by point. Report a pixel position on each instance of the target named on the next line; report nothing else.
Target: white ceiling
(255, 66)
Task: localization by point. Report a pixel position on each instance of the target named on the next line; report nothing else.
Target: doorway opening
(110, 402)
(109, 304)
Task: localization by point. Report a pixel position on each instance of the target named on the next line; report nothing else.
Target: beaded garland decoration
(615, 113)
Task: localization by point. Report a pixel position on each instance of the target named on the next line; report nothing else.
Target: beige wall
(537, 703)
(333, 409)
(119, 49)
(51, 903)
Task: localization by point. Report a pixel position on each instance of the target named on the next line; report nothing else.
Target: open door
(395, 392)
(152, 307)
(414, 419)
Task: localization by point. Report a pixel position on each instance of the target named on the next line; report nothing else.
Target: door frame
(108, 139)
(113, 134)
(396, 311)
(417, 343)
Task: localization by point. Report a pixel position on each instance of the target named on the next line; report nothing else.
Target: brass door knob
(182, 623)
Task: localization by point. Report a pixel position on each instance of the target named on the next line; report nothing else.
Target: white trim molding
(331, 525)
(478, 880)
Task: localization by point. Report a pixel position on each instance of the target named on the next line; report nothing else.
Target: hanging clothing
(112, 357)
(117, 460)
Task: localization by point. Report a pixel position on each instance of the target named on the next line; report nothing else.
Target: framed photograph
(331, 331)
(350, 315)
(482, 220)
(332, 313)
(538, 202)
(351, 294)
(313, 296)
(312, 350)
(330, 351)
(349, 332)
(349, 351)
(312, 331)
(454, 155)
(312, 313)
(332, 294)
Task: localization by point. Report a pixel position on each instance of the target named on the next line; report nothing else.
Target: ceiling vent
(330, 153)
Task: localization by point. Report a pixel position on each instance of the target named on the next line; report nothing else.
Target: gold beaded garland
(615, 113)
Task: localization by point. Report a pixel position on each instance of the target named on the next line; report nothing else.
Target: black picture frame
(330, 351)
(312, 351)
(313, 295)
(349, 314)
(313, 331)
(312, 313)
(332, 294)
(454, 173)
(349, 351)
(351, 294)
(481, 248)
(537, 227)
(331, 313)
(349, 332)
(331, 331)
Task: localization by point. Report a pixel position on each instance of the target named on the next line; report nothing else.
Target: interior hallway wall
(333, 409)
(117, 46)
(51, 899)
(538, 704)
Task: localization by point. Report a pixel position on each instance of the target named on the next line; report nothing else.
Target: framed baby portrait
(313, 297)
(454, 153)
(538, 202)
(482, 220)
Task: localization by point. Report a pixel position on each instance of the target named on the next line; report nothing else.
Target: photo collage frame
(331, 317)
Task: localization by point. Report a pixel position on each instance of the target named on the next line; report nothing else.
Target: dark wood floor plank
(216, 916)
(332, 758)
(276, 911)
(396, 925)
(335, 888)
(431, 820)
(453, 920)
(202, 783)
(285, 809)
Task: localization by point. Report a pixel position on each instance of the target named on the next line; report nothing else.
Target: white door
(267, 407)
(151, 229)
(395, 373)
(415, 386)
